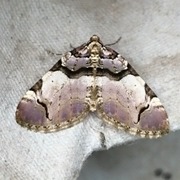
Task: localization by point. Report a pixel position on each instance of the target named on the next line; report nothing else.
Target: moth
(93, 78)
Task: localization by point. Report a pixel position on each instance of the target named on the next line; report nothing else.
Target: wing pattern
(93, 78)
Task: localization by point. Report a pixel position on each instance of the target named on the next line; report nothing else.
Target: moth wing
(131, 105)
(55, 102)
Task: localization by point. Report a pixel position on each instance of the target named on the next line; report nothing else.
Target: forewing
(55, 102)
(131, 105)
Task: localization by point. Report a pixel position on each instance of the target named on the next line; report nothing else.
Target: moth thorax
(95, 55)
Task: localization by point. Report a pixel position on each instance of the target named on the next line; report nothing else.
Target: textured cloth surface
(29, 30)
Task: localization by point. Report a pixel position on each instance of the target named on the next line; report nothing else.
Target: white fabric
(30, 29)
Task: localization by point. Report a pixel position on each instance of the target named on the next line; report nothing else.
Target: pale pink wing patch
(60, 103)
(126, 105)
